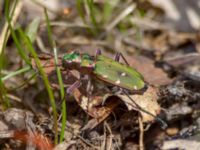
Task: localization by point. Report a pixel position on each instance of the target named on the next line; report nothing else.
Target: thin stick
(110, 138)
(163, 123)
(141, 140)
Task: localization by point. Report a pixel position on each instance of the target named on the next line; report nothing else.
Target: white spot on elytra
(135, 87)
(117, 82)
(123, 74)
(105, 76)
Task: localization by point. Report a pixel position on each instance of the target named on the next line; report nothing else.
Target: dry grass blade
(5, 32)
(141, 141)
(121, 16)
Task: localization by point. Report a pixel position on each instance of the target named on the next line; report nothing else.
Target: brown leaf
(47, 62)
(94, 107)
(103, 113)
(152, 74)
(180, 61)
(147, 101)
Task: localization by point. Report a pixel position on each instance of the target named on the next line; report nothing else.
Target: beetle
(106, 69)
(110, 71)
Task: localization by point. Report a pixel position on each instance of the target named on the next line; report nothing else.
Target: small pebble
(172, 131)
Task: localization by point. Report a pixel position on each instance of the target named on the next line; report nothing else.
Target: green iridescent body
(105, 69)
(118, 74)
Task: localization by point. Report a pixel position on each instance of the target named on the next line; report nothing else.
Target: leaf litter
(169, 62)
(103, 102)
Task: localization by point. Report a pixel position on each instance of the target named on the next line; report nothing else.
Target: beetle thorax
(83, 63)
(87, 64)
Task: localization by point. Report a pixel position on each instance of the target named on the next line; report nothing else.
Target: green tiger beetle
(109, 71)
(106, 69)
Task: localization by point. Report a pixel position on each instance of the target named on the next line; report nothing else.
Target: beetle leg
(89, 88)
(71, 88)
(117, 58)
(89, 91)
(98, 52)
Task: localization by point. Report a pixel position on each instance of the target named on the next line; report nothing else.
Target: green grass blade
(51, 41)
(90, 4)
(20, 71)
(62, 93)
(19, 47)
(25, 82)
(3, 94)
(44, 77)
(107, 11)
(31, 30)
(60, 81)
(5, 33)
(80, 9)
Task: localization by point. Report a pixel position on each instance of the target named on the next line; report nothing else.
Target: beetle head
(72, 60)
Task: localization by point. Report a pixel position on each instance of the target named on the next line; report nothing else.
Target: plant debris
(73, 110)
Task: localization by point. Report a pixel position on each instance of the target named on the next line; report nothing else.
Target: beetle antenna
(161, 121)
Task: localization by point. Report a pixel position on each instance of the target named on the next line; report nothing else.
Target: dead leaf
(47, 61)
(180, 61)
(94, 106)
(152, 74)
(147, 101)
